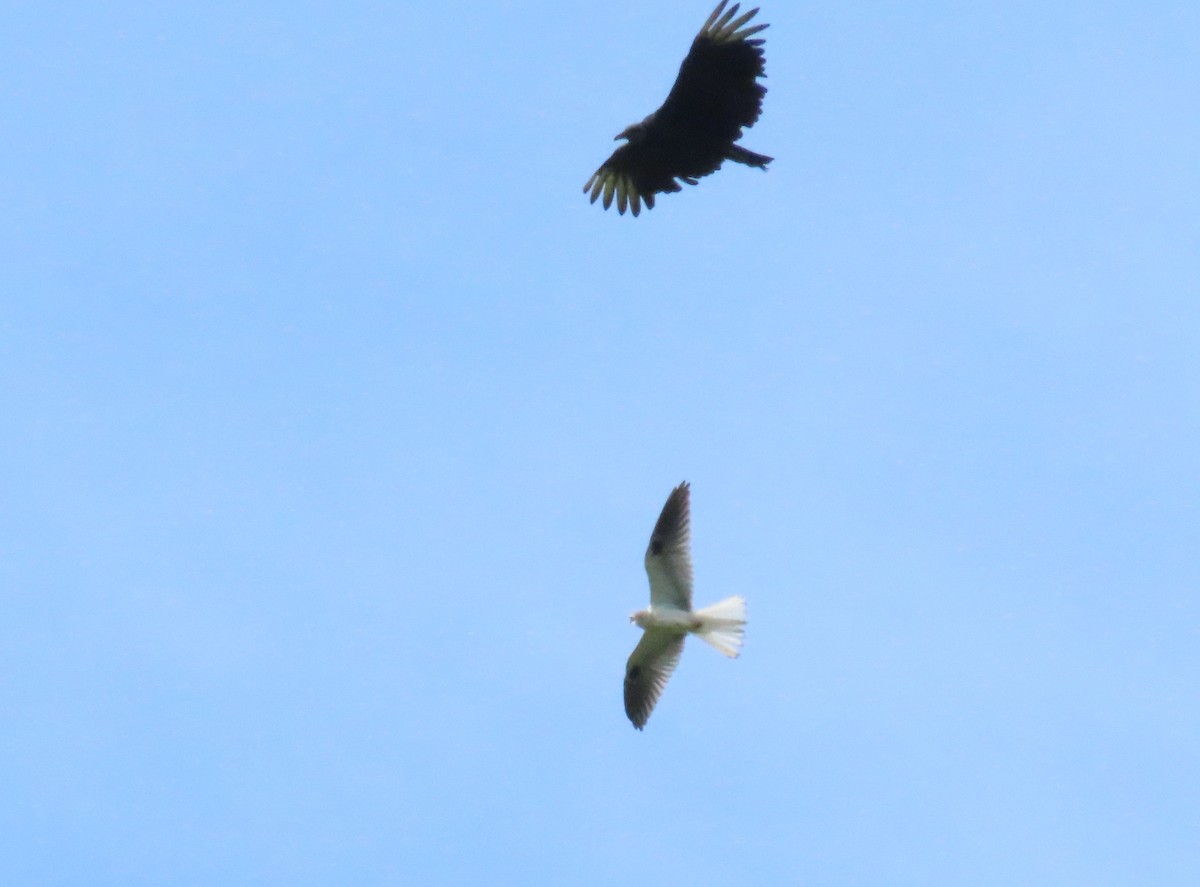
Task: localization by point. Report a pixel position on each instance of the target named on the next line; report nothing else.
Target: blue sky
(336, 422)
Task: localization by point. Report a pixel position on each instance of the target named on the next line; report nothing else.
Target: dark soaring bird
(716, 94)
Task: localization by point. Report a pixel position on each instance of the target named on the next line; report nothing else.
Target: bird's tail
(723, 625)
(741, 155)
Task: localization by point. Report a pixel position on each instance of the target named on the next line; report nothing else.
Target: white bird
(670, 619)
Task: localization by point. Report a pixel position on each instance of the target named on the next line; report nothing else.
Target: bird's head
(639, 618)
(633, 132)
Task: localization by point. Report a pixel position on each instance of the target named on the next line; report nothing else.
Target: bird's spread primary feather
(715, 96)
(670, 618)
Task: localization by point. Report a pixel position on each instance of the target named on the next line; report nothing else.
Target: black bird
(716, 94)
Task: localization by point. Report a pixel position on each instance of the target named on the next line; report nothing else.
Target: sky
(335, 422)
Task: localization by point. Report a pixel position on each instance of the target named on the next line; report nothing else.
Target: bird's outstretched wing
(648, 670)
(716, 94)
(669, 554)
(718, 80)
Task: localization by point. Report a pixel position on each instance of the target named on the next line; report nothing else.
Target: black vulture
(716, 94)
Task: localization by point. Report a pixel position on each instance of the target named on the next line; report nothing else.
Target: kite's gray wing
(669, 556)
(648, 670)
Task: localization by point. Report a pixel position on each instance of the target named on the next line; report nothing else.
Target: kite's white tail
(723, 625)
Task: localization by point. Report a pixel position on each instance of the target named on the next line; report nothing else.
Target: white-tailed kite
(670, 617)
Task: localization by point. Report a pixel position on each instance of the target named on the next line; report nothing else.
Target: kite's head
(639, 617)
